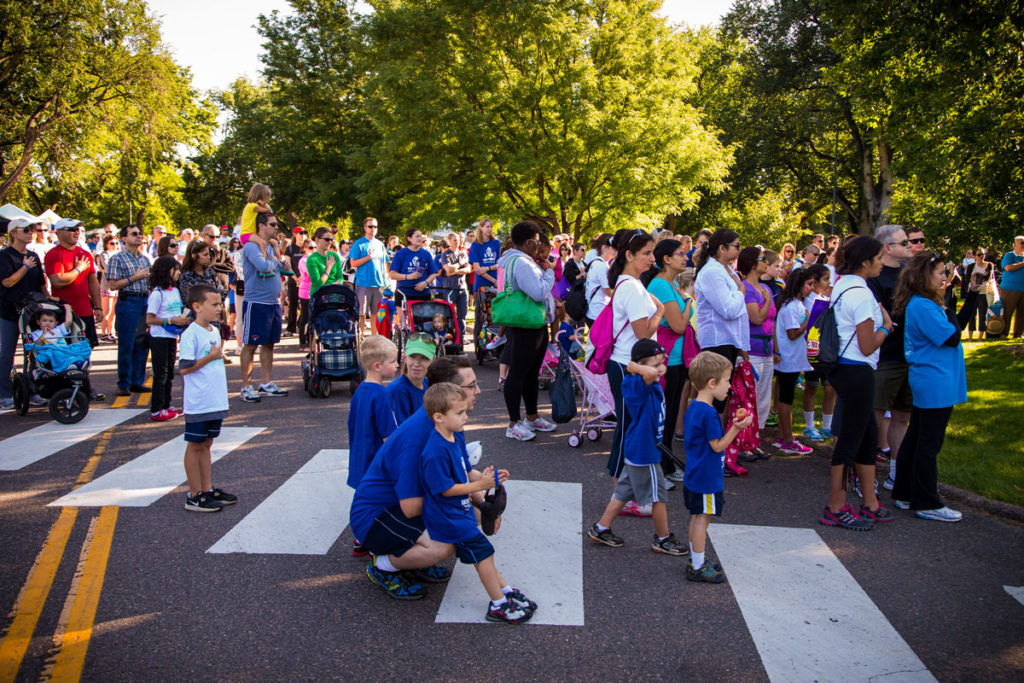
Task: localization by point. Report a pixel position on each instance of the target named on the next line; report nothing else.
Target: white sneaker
(249, 394)
(541, 425)
(519, 432)
(900, 504)
(889, 483)
(271, 389)
(676, 476)
(494, 343)
(943, 514)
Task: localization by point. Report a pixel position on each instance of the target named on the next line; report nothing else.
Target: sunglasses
(172, 245)
(917, 240)
(903, 243)
(273, 225)
(133, 234)
(735, 245)
(423, 337)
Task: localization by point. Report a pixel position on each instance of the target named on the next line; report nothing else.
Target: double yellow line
(75, 626)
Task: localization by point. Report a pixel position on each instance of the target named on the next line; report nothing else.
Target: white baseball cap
(67, 224)
(22, 222)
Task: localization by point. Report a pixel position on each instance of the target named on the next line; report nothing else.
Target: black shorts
(787, 386)
(476, 549)
(392, 533)
(815, 377)
(703, 503)
(200, 431)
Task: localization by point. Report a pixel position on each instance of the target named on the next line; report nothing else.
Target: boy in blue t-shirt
(642, 478)
(370, 418)
(705, 460)
(406, 392)
(448, 483)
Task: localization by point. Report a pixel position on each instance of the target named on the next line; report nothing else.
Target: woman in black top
(20, 273)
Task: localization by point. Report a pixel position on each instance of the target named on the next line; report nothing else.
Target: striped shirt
(123, 265)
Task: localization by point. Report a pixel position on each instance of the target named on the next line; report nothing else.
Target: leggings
(917, 471)
(526, 350)
(730, 352)
(164, 351)
(616, 460)
(303, 322)
(856, 443)
(675, 378)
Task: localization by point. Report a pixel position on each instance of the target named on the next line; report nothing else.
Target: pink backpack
(601, 337)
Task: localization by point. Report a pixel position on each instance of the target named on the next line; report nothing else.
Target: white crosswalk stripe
(151, 476)
(40, 442)
(539, 549)
(304, 516)
(815, 622)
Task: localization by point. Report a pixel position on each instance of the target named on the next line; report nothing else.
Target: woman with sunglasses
(788, 258)
(168, 246)
(414, 269)
(723, 325)
(20, 273)
(978, 279)
(323, 265)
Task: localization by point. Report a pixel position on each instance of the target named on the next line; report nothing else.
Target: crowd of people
(702, 340)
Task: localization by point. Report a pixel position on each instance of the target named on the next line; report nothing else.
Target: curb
(996, 508)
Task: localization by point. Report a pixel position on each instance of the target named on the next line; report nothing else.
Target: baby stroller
(56, 372)
(598, 410)
(485, 331)
(548, 367)
(419, 317)
(332, 341)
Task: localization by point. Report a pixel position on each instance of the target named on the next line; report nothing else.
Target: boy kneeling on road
(449, 481)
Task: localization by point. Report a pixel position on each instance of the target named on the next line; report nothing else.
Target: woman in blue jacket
(938, 379)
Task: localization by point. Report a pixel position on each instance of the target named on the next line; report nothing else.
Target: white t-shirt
(206, 389)
(54, 336)
(163, 303)
(793, 352)
(597, 278)
(631, 302)
(854, 308)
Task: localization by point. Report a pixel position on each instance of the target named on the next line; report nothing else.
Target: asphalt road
(169, 610)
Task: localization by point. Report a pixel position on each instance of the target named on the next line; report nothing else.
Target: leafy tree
(571, 113)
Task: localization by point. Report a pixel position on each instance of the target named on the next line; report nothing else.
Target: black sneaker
(606, 537)
(202, 502)
(435, 574)
(520, 600)
(140, 389)
(508, 612)
(394, 584)
(707, 573)
(223, 497)
(670, 546)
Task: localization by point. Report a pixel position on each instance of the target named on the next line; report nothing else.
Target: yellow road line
(82, 614)
(142, 400)
(149, 382)
(29, 604)
(121, 401)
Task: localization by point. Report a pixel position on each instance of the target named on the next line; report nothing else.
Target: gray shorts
(368, 298)
(643, 483)
(892, 387)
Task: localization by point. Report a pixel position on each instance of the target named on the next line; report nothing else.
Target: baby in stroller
(439, 330)
(49, 332)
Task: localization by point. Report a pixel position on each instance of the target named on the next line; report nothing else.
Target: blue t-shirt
(406, 399)
(485, 254)
(1012, 281)
(408, 262)
(664, 292)
(564, 337)
(372, 273)
(705, 469)
(938, 376)
(394, 474)
(646, 406)
(448, 519)
(370, 421)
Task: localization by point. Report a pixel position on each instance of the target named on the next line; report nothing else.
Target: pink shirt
(303, 279)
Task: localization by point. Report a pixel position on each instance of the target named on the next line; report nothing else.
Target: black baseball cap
(645, 348)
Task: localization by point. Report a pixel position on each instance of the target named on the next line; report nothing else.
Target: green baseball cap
(417, 346)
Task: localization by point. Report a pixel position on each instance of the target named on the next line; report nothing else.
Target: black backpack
(826, 333)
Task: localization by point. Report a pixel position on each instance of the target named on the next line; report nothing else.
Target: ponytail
(625, 240)
(719, 238)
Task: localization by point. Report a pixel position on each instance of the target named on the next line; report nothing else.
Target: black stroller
(334, 318)
(57, 373)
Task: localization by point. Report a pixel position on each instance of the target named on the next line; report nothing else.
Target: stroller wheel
(593, 434)
(313, 387)
(68, 411)
(20, 392)
(575, 440)
(325, 387)
(543, 384)
(353, 384)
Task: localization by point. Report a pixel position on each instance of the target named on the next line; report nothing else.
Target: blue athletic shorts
(392, 533)
(476, 549)
(703, 503)
(198, 432)
(261, 323)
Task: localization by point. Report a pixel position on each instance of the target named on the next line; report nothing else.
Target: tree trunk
(876, 193)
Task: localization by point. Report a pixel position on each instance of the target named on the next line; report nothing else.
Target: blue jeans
(131, 357)
(460, 299)
(8, 344)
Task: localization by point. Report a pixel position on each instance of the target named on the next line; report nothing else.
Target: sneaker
(249, 394)
(889, 484)
(773, 420)
(140, 389)
(670, 485)
(121, 391)
(271, 389)
(394, 584)
(223, 497)
(813, 434)
(746, 456)
(678, 476)
(942, 514)
(634, 510)
(670, 546)
(846, 519)
(520, 600)
(36, 401)
(97, 397)
(501, 383)
(826, 433)
(435, 574)
(794, 447)
(881, 515)
(358, 549)
(856, 485)
(202, 502)
(541, 425)
(606, 537)
(494, 343)
(162, 416)
(519, 432)
(707, 573)
(760, 454)
(508, 612)
(901, 504)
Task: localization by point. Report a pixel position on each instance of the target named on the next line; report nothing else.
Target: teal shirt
(1013, 282)
(664, 292)
(938, 376)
